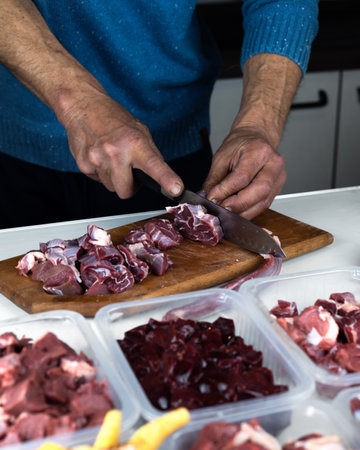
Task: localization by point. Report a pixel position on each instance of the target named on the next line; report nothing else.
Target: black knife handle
(144, 179)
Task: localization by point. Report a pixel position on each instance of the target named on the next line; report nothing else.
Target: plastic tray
(73, 329)
(304, 289)
(342, 404)
(114, 320)
(285, 423)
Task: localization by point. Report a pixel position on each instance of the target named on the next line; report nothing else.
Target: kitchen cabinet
(348, 144)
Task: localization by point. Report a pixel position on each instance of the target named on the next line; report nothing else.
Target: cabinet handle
(322, 101)
(358, 93)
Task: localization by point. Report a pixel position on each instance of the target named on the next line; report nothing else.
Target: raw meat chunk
(194, 223)
(319, 325)
(158, 261)
(247, 435)
(138, 268)
(62, 279)
(251, 436)
(285, 309)
(28, 261)
(111, 278)
(163, 233)
(137, 234)
(94, 236)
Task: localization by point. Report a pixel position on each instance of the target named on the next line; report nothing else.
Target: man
(104, 87)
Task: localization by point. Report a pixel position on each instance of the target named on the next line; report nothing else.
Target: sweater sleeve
(284, 27)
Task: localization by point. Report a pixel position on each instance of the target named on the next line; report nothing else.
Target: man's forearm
(32, 53)
(270, 83)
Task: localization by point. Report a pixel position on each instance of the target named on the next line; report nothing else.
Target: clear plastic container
(286, 423)
(74, 330)
(114, 320)
(304, 289)
(342, 404)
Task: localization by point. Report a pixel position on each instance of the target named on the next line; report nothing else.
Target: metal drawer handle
(322, 101)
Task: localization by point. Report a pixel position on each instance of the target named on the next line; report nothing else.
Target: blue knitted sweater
(155, 58)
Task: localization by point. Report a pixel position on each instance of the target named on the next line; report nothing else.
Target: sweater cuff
(291, 37)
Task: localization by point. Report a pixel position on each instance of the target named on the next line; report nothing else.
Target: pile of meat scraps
(47, 388)
(251, 436)
(328, 331)
(91, 264)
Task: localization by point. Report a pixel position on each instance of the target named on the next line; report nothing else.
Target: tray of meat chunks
(180, 251)
(317, 313)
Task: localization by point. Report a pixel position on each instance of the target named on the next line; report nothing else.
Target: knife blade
(237, 229)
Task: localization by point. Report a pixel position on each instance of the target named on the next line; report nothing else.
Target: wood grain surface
(196, 266)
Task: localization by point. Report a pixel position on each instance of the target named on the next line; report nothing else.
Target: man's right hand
(107, 142)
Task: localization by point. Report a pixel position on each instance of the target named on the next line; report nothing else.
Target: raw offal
(251, 436)
(92, 265)
(139, 269)
(163, 233)
(158, 261)
(328, 331)
(89, 265)
(195, 364)
(47, 388)
(137, 234)
(196, 224)
(248, 435)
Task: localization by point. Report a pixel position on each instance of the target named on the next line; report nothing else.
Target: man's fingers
(161, 172)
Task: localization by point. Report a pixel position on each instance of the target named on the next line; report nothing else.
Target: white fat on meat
(28, 261)
(254, 434)
(316, 322)
(98, 236)
(78, 368)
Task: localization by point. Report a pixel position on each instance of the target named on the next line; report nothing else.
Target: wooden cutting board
(196, 266)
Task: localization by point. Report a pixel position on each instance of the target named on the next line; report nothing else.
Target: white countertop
(336, 211)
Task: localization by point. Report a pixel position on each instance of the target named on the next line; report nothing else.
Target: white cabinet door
(348, 153)
(308, 142)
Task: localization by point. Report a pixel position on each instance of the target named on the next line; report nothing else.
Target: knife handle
(144, 179)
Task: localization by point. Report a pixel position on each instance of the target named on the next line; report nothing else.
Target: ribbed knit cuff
(283, 30)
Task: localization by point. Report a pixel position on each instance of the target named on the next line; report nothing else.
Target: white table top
(336, 211)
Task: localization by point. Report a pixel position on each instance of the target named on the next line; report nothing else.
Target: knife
(236, 229)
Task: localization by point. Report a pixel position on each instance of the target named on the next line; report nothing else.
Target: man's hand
(246, 173)
(107, 142)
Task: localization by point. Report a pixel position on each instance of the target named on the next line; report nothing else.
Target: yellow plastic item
(152, 434)
(51, 446)
(108, 435)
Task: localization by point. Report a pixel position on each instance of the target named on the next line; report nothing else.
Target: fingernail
(176, 189)
(214, 200)
(228, 208)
